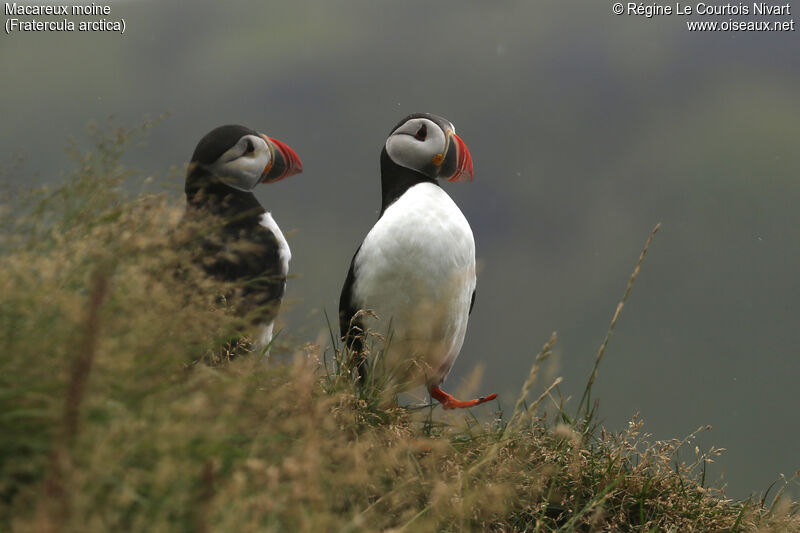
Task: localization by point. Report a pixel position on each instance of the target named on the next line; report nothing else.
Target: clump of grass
(111, 418)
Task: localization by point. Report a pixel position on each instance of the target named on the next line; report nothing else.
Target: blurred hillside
(585, 128)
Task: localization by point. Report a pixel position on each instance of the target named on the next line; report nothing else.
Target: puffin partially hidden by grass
(239, 241)
(416, 267)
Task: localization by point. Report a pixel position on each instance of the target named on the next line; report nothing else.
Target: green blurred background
(586, 130)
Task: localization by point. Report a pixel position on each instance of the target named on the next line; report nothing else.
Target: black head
(240, 158)
(428, 144)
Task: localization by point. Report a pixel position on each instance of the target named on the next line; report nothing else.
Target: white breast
(284, 253)
(264, 336)
(416, 269)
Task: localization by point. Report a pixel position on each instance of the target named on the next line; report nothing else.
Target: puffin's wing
(251, 261)
(472, 301)
(352, 331)
(348, 308)
(266, 289)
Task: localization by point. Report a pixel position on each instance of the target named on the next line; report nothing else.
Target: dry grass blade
(54, 507)
(586, 398)
(594, 503)
(543, 354)
(84, 356)
(532, 408)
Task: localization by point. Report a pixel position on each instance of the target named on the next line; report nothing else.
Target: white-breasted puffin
(416, 266)
(239, 241)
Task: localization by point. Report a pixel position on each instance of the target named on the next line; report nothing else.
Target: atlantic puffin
(237, 240)
(415, 269)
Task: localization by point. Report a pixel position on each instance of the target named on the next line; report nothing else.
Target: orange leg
(448, 402)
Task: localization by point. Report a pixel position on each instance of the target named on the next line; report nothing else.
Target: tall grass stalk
(543, 354)
(585, 402)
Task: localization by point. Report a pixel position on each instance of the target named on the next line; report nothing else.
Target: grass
(113, 416)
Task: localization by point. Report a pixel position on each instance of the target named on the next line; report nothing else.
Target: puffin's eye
(249, 148)
(422, 133)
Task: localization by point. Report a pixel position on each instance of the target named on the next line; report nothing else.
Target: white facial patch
(414, 144)
(242, 166)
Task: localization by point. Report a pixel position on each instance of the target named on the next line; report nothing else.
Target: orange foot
(448, 402)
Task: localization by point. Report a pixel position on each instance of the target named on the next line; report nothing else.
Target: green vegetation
(113, 417)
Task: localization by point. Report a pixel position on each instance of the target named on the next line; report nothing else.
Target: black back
(226, 238)
(240, 251)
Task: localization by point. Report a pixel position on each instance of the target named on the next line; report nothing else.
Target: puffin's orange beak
(463, 158)
(284, 163)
